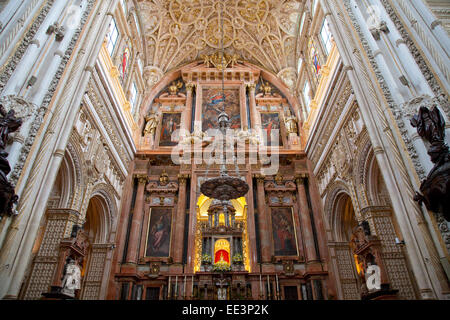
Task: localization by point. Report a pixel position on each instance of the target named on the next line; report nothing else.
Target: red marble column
(138, 213)
(305, 219)
(255, 121)
(177, 245)
(188, 112)
(263, 221)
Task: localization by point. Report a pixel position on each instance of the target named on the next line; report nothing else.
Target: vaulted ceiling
(262, 32)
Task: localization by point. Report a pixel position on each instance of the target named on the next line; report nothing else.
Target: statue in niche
(71, 278)
(8, 123)
(435, 189)
(290, 123)
(151, 124)
(174, 87)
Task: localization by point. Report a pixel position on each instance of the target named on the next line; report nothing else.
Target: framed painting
(270, 124)
(212, 107)
(283, 231)
(159, 232)
(170, 121)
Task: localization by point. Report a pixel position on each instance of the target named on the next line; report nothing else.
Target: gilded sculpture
(266, 89)
(151, 122)
(174, 87)
(290, 123)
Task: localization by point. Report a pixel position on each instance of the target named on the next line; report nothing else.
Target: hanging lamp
(224, 187)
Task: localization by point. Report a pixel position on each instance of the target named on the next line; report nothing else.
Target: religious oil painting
(213, 103)
(159, 232)
(270, 123)
(170, 122)
(284, 239)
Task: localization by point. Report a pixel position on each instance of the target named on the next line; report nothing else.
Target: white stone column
(388, 150)
(41, 174)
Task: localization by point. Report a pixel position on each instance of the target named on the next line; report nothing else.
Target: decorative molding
(8, 68)
(35, 125)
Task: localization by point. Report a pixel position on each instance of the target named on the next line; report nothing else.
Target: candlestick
(268, 287)
(184, 288)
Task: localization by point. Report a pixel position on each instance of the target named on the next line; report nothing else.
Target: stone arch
(101, 200)
(342, 219)
(336, 191)
(75, 154)
(99, 226)
(360, 165)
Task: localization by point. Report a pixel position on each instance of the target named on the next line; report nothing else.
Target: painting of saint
(158, 241)
(170, 122)
(284, 241)
(212, 106)
(270, 123)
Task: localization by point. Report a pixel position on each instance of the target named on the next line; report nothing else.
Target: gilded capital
(142, 178)
(259, 177)
(190, 87)
(301, 178)
(251, 86)
(182, 178)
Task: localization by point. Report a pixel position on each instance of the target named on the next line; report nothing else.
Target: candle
(176, 286)
(169, 288)
(278, 285)
(260, 284)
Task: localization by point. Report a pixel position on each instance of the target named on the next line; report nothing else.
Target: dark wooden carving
(8, 123)
(367, 248)
(73, 248)
(435, 189)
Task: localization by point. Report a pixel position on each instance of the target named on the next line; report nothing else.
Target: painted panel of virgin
(170, 122)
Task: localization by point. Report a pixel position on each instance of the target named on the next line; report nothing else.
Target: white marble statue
(72, 278)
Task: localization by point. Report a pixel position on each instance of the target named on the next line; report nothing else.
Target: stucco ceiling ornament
(152, 75)
(262, 32)
(289, 76)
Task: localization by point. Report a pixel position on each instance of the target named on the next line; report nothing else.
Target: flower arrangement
(206, 258)
(221, 266)
(237, 258)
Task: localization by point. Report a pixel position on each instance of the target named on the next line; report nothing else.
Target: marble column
(188, 112)
(263, 221)
(255, 121)
(177, 245)
(138, 213)
(305, 220)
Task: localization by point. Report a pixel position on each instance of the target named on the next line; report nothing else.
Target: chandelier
(224, 187)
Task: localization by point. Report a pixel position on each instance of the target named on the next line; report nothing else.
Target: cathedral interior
(224, 149)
